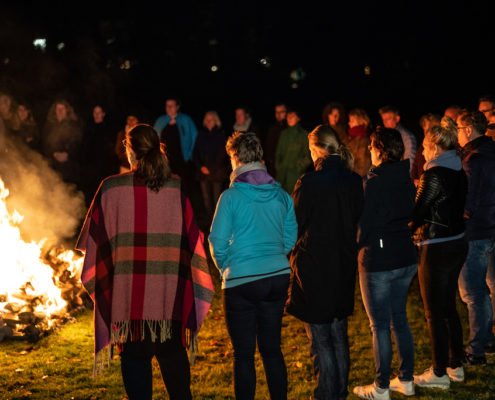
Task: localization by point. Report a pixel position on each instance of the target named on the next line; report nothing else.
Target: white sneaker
(404, 387)
(370, 392)
(428, 379)
(456, 374)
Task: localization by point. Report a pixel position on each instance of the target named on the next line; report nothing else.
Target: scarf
(448, 159)
(254, 173)
(243, 127)
(144, 265)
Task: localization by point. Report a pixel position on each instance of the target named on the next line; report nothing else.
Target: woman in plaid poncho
(145, 270)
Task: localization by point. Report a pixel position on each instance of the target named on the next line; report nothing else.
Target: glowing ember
(31, 288)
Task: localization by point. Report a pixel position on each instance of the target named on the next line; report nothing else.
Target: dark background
(423, 56)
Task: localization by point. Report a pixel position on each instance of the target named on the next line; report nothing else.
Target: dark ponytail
(152, 164)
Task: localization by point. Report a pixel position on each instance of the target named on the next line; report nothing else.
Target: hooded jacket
(254, 228)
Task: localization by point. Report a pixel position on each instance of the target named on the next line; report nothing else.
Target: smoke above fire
(52, 209)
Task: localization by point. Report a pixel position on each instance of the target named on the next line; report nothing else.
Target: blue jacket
(253, 230)
(187, 131)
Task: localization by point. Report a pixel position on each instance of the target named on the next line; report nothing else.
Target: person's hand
(204, 170)
(61, 156)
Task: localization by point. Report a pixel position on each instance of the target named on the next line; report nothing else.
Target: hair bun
(448, 123)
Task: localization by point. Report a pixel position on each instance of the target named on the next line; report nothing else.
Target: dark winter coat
(64, 137)
(479, 163)
(209, 151)
(328, 203)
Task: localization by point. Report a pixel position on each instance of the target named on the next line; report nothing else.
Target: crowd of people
(304, 216)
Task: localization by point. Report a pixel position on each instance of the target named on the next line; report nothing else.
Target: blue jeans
(329, 346)
(490, 281)
(475, 293)
(253, 312)
(385, 297)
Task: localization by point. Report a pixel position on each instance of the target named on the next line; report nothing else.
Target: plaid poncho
(144, 265)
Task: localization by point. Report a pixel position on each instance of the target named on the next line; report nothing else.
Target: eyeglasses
(487, 110)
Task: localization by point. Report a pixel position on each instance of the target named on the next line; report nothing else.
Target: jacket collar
(332, 161)
(473, 145)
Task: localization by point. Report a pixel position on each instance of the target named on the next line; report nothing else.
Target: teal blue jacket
(253, 230)
(187, 131)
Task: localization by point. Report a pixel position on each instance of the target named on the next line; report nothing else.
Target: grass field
(60, 365)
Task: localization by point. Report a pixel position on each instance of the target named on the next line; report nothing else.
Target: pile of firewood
(19, 319)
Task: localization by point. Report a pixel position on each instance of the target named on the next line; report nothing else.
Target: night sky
(132, 56)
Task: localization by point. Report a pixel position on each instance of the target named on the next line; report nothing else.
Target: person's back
(384, 238)
(145, 269)
(253, 230)
(438, 227)
(259, 213)
(328, 204)
(387, 262)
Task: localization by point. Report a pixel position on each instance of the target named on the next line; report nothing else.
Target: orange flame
(23, 273)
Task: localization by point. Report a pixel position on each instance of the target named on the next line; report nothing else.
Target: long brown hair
(152, 164)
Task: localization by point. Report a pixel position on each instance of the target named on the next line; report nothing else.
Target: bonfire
(39, 286)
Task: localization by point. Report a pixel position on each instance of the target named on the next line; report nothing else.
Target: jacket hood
(259, 193)
(448, 159)
(254, 173)
(255, 182)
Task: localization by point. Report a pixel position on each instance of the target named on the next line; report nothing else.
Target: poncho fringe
(117, 253)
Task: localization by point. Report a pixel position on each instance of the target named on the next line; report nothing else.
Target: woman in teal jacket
(253, 230)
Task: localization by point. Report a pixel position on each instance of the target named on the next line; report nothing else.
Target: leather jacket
(440, 200)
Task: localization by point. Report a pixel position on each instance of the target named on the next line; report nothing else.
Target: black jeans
(439, 268)
(174, 366)
(253, 312)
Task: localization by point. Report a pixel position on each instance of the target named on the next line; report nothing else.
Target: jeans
(211, 191)
(385, 297)
(329, 348)
(490, 281)
(253, 312)
(174, 365)
(439, 268)
(475, 293)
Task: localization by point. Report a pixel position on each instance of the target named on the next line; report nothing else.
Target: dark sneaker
(471, 359)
